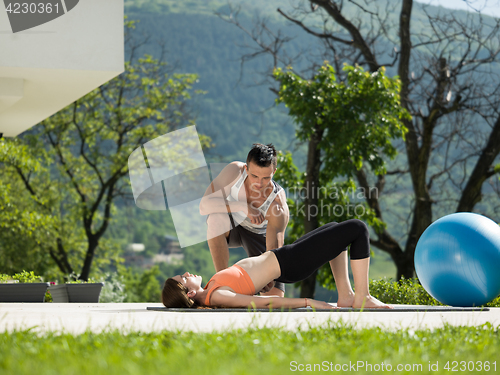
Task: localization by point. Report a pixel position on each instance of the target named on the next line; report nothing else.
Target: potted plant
(76, 291)
(22, 287)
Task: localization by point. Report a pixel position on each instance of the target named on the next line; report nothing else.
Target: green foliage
(238, 351)
(360, 116)
(494, 303)
(404, 291)
(83, 152)
(73, 278)
(15, 154)
(48, 297)
(23, 224)
(113, 290)
(142, 287)
(337, 200)
(408, 292)
(22, 277)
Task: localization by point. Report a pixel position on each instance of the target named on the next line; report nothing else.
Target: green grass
(252, 351)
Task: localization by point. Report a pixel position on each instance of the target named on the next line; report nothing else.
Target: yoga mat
(342, 309)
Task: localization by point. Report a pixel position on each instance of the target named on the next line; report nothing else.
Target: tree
(89, 143)
(448, 66)
(345, 124)
(23, 226)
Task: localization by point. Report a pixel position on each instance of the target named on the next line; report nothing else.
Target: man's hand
(254, 214)
(268, 287)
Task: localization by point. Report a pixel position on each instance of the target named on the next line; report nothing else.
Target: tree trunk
(482, 171)
(308, 286)
(311, 183)
(418, 157)
(60, 257)
(93, 238)
(405, 267)
(93, 242)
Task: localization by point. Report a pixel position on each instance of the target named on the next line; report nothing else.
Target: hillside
(198, 41)
(236, 111)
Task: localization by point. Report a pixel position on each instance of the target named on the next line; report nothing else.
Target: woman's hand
(319, 305)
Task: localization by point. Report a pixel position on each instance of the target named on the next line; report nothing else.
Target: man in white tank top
(246, 208)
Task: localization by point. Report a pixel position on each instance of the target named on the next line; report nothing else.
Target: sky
(489, 7)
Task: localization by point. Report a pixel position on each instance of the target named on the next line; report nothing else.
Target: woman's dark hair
(262, 155)
(174, 294)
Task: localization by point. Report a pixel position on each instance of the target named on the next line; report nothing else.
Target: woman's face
(190, 281)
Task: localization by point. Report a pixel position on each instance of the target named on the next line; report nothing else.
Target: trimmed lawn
(332, 348)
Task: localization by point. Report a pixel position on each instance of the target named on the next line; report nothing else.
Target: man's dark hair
(262, 155)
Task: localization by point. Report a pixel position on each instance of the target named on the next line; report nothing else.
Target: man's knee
(218, 225)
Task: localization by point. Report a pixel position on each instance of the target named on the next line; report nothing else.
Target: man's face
(259, 177)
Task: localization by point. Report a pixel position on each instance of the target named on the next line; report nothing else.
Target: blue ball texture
(457, 259)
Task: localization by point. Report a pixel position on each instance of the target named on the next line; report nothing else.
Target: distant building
(136, 247)
(170, 253)
(170, 245)
(168, 258)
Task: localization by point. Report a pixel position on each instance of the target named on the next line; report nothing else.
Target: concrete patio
(77, 318)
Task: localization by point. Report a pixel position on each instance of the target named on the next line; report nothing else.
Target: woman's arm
(228, 298)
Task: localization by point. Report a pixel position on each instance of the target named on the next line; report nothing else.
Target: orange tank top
(235, 278)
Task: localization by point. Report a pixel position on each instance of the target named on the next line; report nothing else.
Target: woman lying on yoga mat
(236, 286)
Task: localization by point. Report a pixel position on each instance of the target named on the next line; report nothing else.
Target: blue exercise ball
(457, 259)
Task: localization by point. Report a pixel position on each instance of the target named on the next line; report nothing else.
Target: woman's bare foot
(369, 302)
(345, 301)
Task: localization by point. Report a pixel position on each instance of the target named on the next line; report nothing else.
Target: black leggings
(300, 259)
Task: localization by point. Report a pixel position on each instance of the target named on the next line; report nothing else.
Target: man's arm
(277, 217)
(277, 220)
(214, 199)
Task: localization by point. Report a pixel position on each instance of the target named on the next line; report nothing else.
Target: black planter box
(85, 292)
(23, 292)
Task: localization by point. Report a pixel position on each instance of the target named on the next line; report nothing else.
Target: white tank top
(240, 218)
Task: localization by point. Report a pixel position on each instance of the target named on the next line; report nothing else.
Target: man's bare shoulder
(238, 164)
(280, 200)
(229, 174)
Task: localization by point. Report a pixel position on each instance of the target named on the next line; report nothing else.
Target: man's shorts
(253, 243)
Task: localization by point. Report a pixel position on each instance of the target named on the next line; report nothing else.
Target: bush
(404, 291)
(408, 292)
(113, 289)
(142, 287)
(494, 303)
